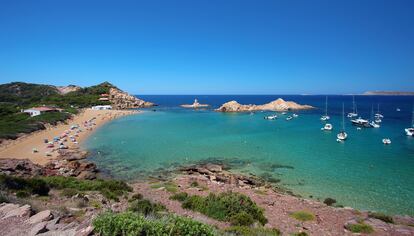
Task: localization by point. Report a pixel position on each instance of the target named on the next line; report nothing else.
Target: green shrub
(146, 207)
(360, 228)
(31, 186)
(69, 192)
(194, 184)
(111, 189)
(136, 196)
(225, 206)
(169, 186)
(179, 196)
(329, 201)
(3, 198)
(241, 218)
(303, 215)
(22, 194)
(300, 234)
(250, 231)
(110, 224)
(381, 216)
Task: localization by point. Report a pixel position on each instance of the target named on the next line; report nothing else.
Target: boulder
(40, 217)
(22, 211)
(38, 228)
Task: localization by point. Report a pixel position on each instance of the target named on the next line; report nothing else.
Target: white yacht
(354, 111)
(410, 131)
(342, 136)
(295, 115)
(360, 122)
(289, 118)
(272, 117)
(326, 117)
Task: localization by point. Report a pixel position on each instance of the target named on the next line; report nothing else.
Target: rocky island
(195, 105)
(276, 105)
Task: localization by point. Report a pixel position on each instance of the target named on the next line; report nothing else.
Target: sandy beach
(22, 148)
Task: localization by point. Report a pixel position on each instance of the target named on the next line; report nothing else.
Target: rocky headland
(122, 100)
(276, 105)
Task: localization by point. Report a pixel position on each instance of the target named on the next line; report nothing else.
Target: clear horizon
(211, 47)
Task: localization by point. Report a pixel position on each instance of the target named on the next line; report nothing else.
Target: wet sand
(22, 148)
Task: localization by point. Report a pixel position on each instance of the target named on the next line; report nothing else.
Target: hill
(388, 93)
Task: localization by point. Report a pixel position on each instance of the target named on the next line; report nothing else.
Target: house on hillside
(104, 97)
(35, 111)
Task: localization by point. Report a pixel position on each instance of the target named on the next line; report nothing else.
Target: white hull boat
(386, 141)
(342, 136)
(327, 127)
(360, 122)
(374, 125)
(273, 117)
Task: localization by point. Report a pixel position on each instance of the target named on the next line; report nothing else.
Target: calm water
(362, 172)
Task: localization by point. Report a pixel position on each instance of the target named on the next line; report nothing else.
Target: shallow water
(362, 172)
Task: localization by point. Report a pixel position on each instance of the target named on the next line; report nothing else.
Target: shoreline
(22, 148)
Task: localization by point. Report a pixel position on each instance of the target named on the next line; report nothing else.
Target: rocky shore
(276, 105)
(121, 100)
(72, 214)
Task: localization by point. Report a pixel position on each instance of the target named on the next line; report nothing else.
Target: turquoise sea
(361, 172)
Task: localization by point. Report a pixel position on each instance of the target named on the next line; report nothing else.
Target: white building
(32, 112)
(102, 107)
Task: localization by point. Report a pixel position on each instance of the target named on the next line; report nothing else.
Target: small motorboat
(295, 115)
(359, 128)
(284, 113)
(410, 131)
(378, 120)
(374, 125)
(272, 117)
(386, 141)
(398, 109)
(289, 118)
(327, 127)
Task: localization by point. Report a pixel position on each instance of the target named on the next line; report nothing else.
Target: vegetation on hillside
(17, 96)
(234, 207)
(135, 224)
(111, 189)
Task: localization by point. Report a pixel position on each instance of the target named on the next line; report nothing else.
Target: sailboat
(342, 136)
(373, 123)
(326, 117)
(378, 114)
(410, 131)
(353, 113)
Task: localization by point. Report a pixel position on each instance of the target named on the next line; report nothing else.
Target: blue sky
(211, 46)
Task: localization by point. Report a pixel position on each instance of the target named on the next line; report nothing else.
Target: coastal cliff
(122, 100)
(276, 105)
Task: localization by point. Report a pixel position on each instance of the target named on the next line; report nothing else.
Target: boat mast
(353, 104)
(343, 117)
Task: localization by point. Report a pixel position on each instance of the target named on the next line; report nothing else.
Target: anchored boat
(342, 136)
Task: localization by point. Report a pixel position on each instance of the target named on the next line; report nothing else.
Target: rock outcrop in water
(123, 100)
(276, 105)
(195, 105)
